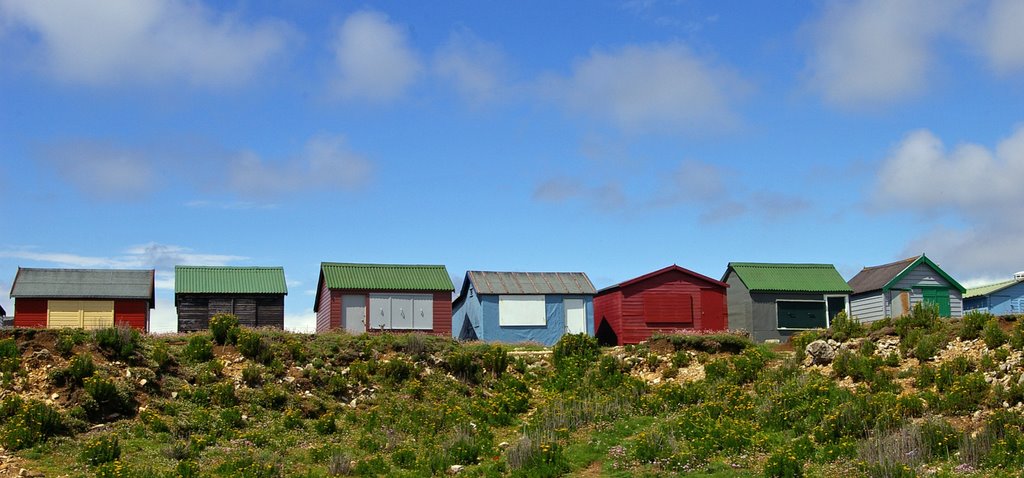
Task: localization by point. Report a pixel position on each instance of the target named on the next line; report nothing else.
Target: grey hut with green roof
(254, 294)
(775, 301)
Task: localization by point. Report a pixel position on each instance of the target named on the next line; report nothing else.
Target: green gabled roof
(765, 277)
(229, 280)
(923, 259)
(990, 288)
(386, 277)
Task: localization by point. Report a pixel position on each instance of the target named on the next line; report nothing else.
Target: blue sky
(611, 137)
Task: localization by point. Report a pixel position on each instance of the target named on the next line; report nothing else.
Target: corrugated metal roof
(765, 277)
(990, 288)
(83, 283)
(386, 276)
(489, 282)
(229, 280)
(876, 277)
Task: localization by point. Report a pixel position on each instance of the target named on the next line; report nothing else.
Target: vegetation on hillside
(914, 396)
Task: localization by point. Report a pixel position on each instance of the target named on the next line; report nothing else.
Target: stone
(820, 352)
(455, 469)
(54, 396)
(143, 382)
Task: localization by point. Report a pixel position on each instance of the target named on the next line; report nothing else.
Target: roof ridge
(782, 264)
(229, 267)
(909, 259)
(370, 264)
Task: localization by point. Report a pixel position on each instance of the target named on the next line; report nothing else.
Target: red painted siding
(133, 313)
(331, 320)
(664, 302)
(323, 313)
(30, 313)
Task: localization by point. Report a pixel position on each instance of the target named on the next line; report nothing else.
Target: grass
(414, 405)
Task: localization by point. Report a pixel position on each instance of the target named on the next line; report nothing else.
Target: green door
(938, 296)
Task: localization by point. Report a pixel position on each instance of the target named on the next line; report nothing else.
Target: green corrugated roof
(790, 277)
(229, 280)
(988, 289)
(386, 276)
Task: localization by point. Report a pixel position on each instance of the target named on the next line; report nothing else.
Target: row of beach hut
(769, 300)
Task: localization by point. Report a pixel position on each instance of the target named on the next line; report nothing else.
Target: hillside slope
(918, 396)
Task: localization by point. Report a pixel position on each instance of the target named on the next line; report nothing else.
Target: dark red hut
(668, 299)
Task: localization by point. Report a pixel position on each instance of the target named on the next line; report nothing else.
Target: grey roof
(487, 282)
(876, 277)
(84, 283)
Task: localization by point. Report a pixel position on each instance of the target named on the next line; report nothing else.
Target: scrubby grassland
(916, 396)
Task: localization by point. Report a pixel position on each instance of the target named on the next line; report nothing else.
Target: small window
(521, 310)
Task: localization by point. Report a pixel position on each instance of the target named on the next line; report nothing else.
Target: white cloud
(373, 58)
(661, 88)
(151, 255)
(473, 66)
(870, 52)
(101, 170)
(979, 186)
(304, 322)
(326, 163)
(920, 173)
(150, 41)
(1003, 36)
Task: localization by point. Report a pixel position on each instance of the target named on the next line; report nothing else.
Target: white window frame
(828, 313)
(522, 311)
(822, 301)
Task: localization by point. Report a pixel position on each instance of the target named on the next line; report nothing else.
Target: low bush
(162, 358)
(252, 346)
(464, 366)
(78, 369)
(224, 328)
(252, 375)
(118, 342)
(844, 327)
(100, 450)
(923, 316)
(993, 335)
(972, 324)
(67, 339)
(199, 348)
(107, 399)
(495, 360)
(783, 464)
(25, 423)
(575, 350)
(706, 342)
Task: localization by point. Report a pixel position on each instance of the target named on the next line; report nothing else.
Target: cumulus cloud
(970, 179)
(475, 67)
(119, 41)
(1003, 35)
(870, 52)
(327, 163)
(660, 88)
(373, 58)
(101, 170)
(978, 185)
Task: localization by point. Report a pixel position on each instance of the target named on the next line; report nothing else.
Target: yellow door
(97, 314)
(88, 314)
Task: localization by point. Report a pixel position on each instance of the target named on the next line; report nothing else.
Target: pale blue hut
(516, 307)
(1001, 298)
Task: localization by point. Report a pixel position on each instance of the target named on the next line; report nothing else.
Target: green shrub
(223, 394)
(107, 399)
(575, 350)
(326, 424)
(1017, 335)
(252, 375)
(10, 360)
(463, 365)
(681, 359)
(161, 356)
(923, 316)
(972, 324)
(252, 346)
(783, 464)
(199, 348)
(224, 328)
(67, 339)
(800, 340)
(100, 450)
(844, 327)
(118, 342)
(965, 394)
(652, 446)
(532, 459)
(928, 345)
(397, 370)
(994, 335)
(9, 349)
(495, 360)
(78, 369)
(708, 343)
(25, 423)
